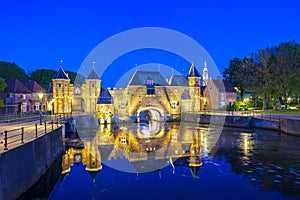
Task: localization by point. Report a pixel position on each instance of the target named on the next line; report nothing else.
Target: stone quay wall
(23, 166)
(285, 125)
(290, 126)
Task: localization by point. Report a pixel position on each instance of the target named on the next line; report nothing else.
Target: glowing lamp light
(40, 95)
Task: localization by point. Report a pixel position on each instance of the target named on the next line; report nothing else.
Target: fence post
(5, 140)
(45, 127)
(36, 131)
(22, 135)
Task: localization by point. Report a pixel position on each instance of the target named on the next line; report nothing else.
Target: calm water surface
(165, 161)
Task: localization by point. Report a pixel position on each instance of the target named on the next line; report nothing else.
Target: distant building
(22, 97)
(219, 93)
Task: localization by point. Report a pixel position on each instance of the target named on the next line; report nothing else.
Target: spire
(193, 72)
(93, 74)
(60, 74)
(172, 71)
(136, 67)
(205, 66)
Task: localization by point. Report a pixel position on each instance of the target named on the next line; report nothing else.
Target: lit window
(77, 90)
(123, 105)
(150, 87)
(149, 82)
(173, 105)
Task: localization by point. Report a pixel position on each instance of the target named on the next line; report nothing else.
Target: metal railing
(26, 133)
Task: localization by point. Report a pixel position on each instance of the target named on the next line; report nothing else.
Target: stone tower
(91, 91)
(194, 87)
(205, 75)
(62, 92)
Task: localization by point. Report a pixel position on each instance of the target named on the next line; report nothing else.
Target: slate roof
(224, 85)
(16, 86)
(34, 87)
(178, 80)
(104, 97)
(50, 87)
(193, 72)
(141, 77)
(93, 74)
(60, 74)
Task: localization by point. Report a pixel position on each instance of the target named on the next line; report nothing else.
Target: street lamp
(41, 98)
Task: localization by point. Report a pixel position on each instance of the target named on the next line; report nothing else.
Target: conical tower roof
(60, 74)
(93, 74)
(193, 72)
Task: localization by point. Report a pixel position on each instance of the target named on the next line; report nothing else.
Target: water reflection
(186, 157)
(138, 148)
(267, 160)
(87, 154)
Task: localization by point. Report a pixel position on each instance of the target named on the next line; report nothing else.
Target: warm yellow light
(41, 95)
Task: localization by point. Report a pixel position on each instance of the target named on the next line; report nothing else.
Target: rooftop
(141, 77)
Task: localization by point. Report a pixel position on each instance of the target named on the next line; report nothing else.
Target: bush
(237, 106)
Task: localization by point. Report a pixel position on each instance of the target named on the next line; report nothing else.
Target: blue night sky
(38, 34)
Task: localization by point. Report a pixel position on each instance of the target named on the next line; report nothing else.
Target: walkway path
(14, 133)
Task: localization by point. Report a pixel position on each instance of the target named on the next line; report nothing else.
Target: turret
(62, 92)
(205, 75)
(194, 80)
(92, 90)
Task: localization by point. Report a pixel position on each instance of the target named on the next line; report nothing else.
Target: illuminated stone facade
(66, 98)
(62, 91)
(147, 95)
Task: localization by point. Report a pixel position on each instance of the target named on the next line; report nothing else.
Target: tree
(288, 67)
(237, 74)
(12, 71)
(43, 77)
(2, 87)
(261, 73)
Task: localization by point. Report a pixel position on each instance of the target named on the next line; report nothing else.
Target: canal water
(173, 161)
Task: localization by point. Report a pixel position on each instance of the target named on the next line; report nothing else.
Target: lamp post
(41, 99)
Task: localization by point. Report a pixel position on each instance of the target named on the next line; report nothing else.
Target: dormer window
(150, 87)
(149, 82)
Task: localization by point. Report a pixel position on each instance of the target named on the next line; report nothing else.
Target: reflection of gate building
(88, 155)
(129, 149)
